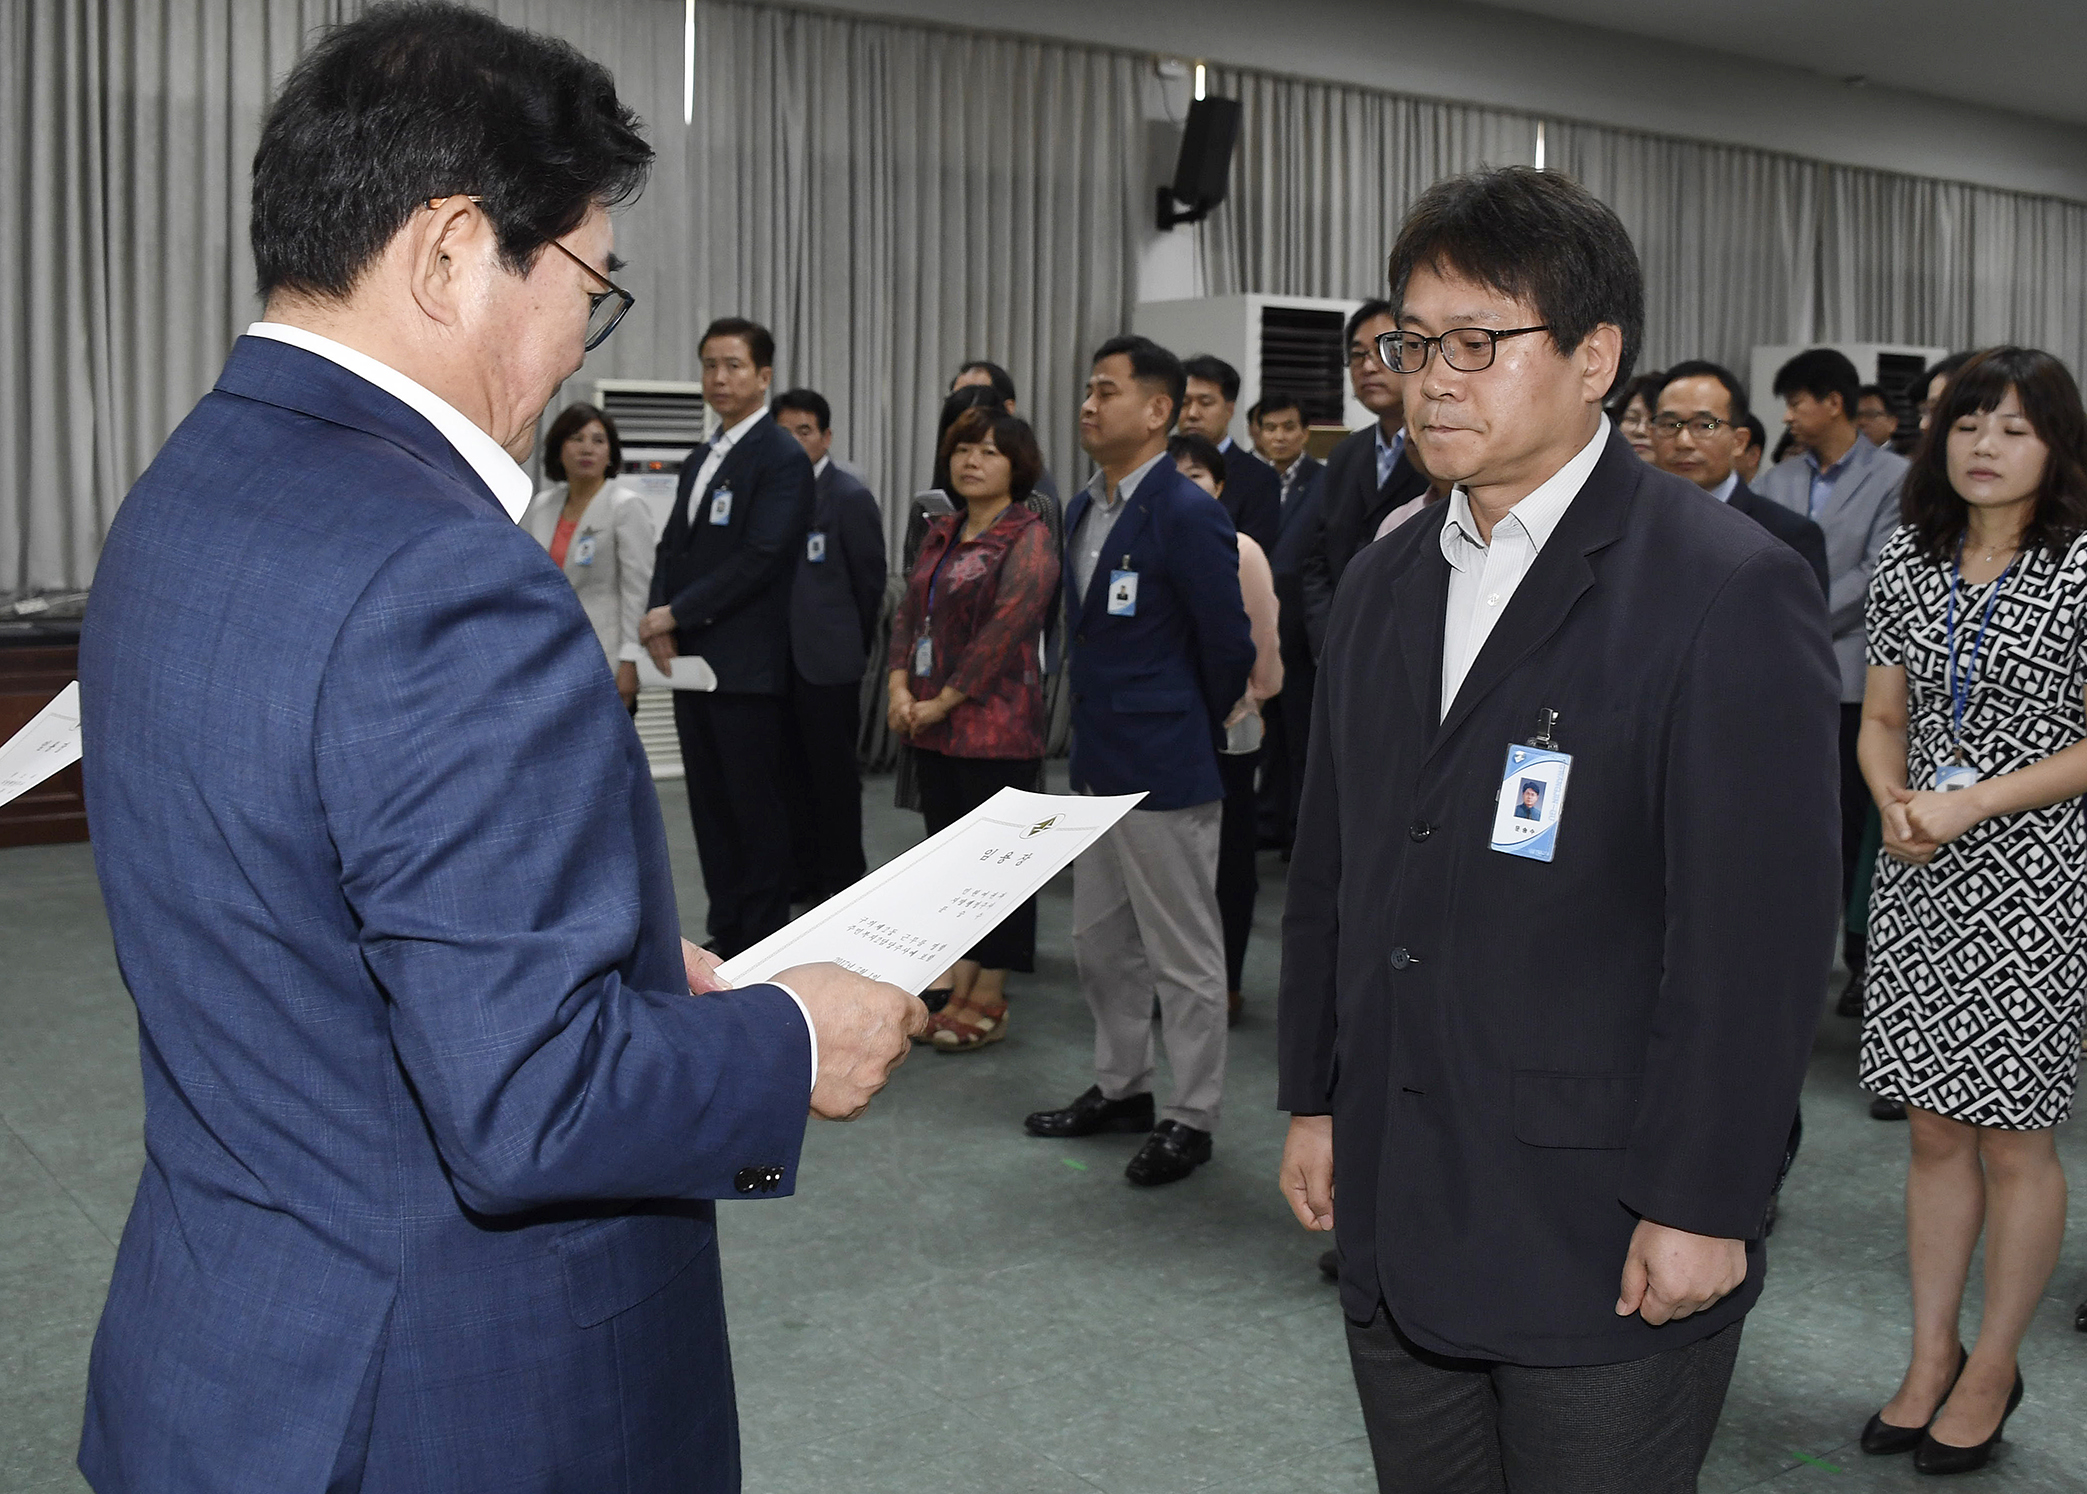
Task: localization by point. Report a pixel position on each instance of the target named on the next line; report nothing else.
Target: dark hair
(414, 101)
(1756, 432)
(1783, 443)
(1003, 383)
(1213, 370)
(1368, 311)
(1149, 364)
(1198, 449)
(758, 339)
(1645, 386)
(570, 422)
(1702, 368)
(1928, 502)
(1820, 372)
(1268, 404)
(1010, 433)
(1538, 237)
(807, 401)
(1941, 370)
(1878, 390)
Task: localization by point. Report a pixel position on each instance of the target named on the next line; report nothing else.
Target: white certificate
(915, 916)
(691, 672)
(49, 742)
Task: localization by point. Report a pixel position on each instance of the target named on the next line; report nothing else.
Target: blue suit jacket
(1150, 691)
(430, 1117)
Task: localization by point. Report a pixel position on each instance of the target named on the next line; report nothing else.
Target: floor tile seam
(58, 1182)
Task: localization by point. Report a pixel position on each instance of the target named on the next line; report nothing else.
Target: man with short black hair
(1748, 462)
(721, 588)
(433, 1119)
(1159, 653)
(1001, 382)
(1253, 491)
(834, 604)
(1698, 431)
(1850, 489)
(1874, 416)
(1280, 432)
(1552, 1064)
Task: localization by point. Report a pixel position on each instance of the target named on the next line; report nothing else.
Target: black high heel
(1945, 1457)
(1881, 1438)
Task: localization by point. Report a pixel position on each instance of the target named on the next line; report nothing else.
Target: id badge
(1123, 593)
(1532, 800)
(924, 656)
(583, 552)
(721, 506)
(1949, 777)
(815, 546)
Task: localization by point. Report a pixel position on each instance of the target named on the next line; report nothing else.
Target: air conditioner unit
(1892, 366)
(1292, 345)
(659, 420)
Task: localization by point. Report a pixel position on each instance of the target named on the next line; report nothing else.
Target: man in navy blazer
(1159, 654)
(721, 587)
(835, 601)
(432, 1117)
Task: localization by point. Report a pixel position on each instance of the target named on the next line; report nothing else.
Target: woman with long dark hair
(1974, 744)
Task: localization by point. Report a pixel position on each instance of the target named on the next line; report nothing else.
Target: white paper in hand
(915, 916)
(691, 672)
(49, 742)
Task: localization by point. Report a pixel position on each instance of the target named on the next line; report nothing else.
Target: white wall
(1450, 49)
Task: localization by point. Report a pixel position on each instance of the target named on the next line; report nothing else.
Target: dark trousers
(1238, 878)
(950, 788)
(1856, 809)
(1469, 1426)
(1287, 719)
(732, 751)
(825, 795)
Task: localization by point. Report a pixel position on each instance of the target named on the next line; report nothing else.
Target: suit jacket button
(747, 1179)
(1419, 830)
(1400, 958)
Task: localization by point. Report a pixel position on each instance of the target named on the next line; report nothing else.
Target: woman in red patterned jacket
(966, 684)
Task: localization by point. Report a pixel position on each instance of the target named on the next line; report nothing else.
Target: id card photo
(1532, 800)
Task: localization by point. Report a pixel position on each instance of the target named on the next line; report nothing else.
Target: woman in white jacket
(598, 532)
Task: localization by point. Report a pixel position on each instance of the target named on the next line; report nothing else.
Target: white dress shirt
(719, 450)
(495, 468)
(819, 467)
(1724, 490)
(1483, 577)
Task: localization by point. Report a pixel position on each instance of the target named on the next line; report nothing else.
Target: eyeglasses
(1703, 425)
(604, 308)
(1465, 349)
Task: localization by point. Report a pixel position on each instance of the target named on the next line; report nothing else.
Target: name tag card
(1123, 593)
(815, 546)
(721, 506)
(1532, 801)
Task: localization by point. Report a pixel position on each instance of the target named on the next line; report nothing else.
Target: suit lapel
(1559, 577)
(1419, 604)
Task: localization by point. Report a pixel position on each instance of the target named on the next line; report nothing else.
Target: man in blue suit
(433, 1116)
(1160, 652)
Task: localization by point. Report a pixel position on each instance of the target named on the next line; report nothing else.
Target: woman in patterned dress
(1974, 743)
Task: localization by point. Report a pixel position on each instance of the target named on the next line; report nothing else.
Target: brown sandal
(967, 1029)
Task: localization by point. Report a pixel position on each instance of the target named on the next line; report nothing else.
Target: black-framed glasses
(1704, 426)
(605, 308)
(1465, 349)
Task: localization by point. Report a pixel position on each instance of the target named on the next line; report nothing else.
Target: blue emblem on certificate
(1532, 799)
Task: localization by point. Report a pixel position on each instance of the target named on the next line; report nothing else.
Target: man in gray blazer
(835, 601)
(1850, 489)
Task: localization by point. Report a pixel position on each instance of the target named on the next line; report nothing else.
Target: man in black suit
(1278, 424)
(1698, 431)
(721, 584)
(1280, 432)
(1366, 477)
(834, 604)
(1253, 491)
(1553, 1072)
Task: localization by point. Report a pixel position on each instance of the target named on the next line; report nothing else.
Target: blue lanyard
(1960, 687)
(935, 577)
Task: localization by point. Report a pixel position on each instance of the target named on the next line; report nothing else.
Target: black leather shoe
(1882, 1109)
(1330, 1265)
(1883, 1439)
(1090, 1115)
(1169, 1154)
(1944, 1457)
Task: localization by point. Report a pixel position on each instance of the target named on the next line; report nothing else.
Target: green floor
(947, 1305)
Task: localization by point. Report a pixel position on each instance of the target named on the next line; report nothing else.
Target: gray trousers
(1470, 1426)
(1145, 924)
